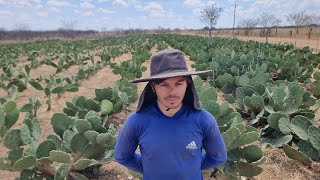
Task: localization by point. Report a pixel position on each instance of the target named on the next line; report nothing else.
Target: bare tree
(298, 19)
(277, 24)
(210, 16)
(248, 25)
(22, 27)
(312, 21)
(267, 20)
(68, 25)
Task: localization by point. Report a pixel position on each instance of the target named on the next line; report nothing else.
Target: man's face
(171, 91)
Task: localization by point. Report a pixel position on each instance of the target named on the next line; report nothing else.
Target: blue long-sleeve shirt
(171, 147)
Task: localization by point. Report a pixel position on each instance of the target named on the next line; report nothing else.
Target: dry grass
(279, 166)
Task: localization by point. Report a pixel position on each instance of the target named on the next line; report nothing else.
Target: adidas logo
(191, 145)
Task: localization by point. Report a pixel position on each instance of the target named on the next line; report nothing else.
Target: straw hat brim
(169, 75)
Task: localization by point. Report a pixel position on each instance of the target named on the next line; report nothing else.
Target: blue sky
(111, 14)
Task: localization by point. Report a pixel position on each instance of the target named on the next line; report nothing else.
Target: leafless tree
(68, 25)
(277, 24)
(267, 20)
(298, 19)
(313, 21)
(22, 27)
(210, 16)
(248, 25)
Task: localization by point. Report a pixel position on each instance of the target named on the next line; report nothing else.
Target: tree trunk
(309, 34)
(210, 32)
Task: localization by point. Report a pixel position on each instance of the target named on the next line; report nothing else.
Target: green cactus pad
(62, 172)
(30, 149)
(25, 134)
(11, 118)
(61, 122)
(106, 107)
(69, 112)
(12, 139)
(80, 101)
(244, 80)
(91, 136)
(91, 104)
(124, 98)
(24, 163)
(14, 155)
(245, 139)
(9, 106)
(82, 113)
(45, 147)
(257, 101)
(252, 153)
(300, 125)
(59, 156)
(71, 106)
(314, 136)
(79, 176)
(55, 139)
(82, 164)
(104, 138)
(247, 170)
(67, 136)
(213, 108)
(234, 154)
(26, 174)
(284, 125)
(117, 107)
(78, 142)
(297, 155)
(82, 125)
(35, 129)
(230, 135)
(278, 142)
(26, 108)
(273, 120)
(307, 148)
(94, 151)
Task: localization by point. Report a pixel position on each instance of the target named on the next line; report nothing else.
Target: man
(169, 126)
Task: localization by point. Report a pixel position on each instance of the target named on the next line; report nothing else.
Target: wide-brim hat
(166, 64)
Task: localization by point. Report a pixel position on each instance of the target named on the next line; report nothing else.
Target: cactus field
(63, 102)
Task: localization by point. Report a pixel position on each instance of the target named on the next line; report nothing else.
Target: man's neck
(170, 112)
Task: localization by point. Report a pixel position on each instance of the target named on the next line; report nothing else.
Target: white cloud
(196, 12)
(155, 9)
(42, 14)
(105, 11)
(102, 1)
(58, 3)
(88, 13)
(119, 4)
(193, 3)
(39, 6)
(86, 5)
(54, 9)
(5, 14)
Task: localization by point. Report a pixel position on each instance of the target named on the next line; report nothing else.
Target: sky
(148, 14)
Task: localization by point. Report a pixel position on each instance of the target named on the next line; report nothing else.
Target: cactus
(24, 163)
(106, 107)
(297, 155)
(300, 125)
(59, 156)
(61, 122)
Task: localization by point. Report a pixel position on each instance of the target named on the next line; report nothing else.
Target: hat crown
(168, 61)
